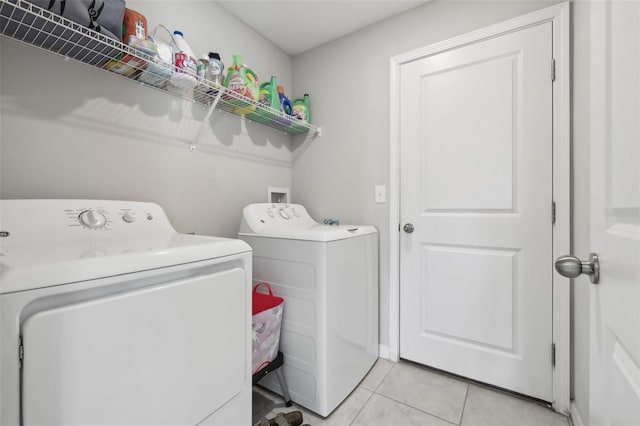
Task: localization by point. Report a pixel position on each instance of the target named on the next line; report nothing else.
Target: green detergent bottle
(269, 94)
(301, 109)
(243, 81)
(268, 97)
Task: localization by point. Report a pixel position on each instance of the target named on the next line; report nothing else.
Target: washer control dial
(92, 219)
(284, 214)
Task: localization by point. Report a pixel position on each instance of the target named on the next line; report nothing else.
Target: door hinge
(553, 212)
(553, 69)
(553, 354)
(21, 352)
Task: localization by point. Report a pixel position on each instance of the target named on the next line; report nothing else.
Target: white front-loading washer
(328, 277)
(110, 317)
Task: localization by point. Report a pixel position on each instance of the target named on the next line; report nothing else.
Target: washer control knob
(284, 214)
(128, 217)
(92, 219)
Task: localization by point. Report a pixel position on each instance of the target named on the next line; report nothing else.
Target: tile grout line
(384, 377)
(466, 398)
(361, 408)
(416, 408)
(375, 389)
(419, 409)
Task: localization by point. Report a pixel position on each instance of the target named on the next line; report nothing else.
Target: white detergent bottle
(184, 62)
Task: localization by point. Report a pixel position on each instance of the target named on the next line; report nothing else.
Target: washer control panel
(283, 211)
(258, 217)
(106, 217)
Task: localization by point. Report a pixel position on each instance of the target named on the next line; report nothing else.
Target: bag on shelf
(103, 16)
(266, 323)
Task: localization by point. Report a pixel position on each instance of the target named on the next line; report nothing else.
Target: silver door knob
(572, 267)
(408, 228)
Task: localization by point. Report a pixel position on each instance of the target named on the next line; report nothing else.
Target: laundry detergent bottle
(268, 97)
(301, 109)
(243, 81)
(269, 94)
(285, 103)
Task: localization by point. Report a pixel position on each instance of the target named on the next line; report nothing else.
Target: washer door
(163, 355)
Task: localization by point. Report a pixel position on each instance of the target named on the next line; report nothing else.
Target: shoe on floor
(292, 418)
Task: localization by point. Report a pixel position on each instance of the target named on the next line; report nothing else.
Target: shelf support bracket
(212, 107)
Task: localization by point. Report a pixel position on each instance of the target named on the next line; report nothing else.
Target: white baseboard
(575, 415)
(383, 352)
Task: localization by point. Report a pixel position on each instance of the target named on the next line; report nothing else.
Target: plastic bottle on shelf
(285, 103)
(269, 94)
(243, 81)
(301, 109)
(185, 64)
(217, 67)
(202, 68)
(203, 74)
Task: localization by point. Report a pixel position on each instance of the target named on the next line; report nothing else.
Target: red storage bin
(266, 323)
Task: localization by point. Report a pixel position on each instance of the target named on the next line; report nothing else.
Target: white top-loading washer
(109, 316)
(328, 276)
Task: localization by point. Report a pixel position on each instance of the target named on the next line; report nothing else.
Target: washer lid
(292, 221)
(44, 243)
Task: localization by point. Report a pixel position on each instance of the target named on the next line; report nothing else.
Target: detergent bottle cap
(178, 33)
(280, 89)
(214, 55)
(237, 59)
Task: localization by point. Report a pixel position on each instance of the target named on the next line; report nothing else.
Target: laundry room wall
(70, 131)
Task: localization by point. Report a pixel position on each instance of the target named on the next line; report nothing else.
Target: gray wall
(70, 131)
(349, 84)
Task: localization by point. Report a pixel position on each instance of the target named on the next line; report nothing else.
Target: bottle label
(236, 83)
(265, 99)
(215, 67)
(300, 112)
(185, 63)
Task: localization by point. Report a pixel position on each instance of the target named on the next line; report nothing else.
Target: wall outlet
(381, 194)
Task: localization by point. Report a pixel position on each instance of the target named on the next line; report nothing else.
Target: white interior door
(476, 184)
(615, 213)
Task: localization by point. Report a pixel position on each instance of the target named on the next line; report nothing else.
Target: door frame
(559, 16)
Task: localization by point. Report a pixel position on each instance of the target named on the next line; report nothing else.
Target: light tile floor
(408, 394)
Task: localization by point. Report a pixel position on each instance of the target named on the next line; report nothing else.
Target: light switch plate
(381, 194)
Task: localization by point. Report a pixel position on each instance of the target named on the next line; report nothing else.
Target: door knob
(408, 228)
(572, 267)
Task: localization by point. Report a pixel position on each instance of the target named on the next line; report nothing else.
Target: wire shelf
(30, 24)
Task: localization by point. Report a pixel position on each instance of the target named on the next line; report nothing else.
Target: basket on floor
(266, 323)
